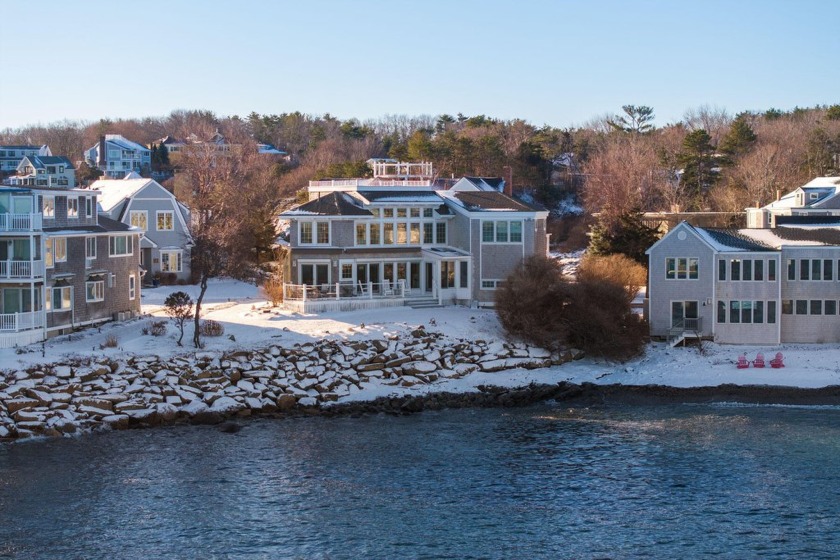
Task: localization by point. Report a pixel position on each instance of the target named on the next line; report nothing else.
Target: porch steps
(422, 303)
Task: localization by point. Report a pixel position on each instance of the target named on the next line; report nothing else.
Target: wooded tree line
(709, 160)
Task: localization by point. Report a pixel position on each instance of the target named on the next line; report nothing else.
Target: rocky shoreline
(89, 395)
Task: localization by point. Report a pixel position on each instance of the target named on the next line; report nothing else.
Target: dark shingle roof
(332, 204)
(404, 195)
(737, 240)
(105, 225)
(827, 235)
(483, 200)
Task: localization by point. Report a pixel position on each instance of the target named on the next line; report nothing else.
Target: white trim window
(682, 268)
(61, 298)
(49, 207)
(72, 207)
(139, 218)
(487, 284)
(120, 245)
(132, 287)
(171, 261)
(89, 206)
(59, 249)
(90, 247)
(165, 220)
(501, 231)
(95, 291)
(314, 233)
(49, 262)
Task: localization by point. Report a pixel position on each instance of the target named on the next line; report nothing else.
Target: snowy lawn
(250, 323)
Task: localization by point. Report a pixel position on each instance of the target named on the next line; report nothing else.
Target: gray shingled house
(397, 239)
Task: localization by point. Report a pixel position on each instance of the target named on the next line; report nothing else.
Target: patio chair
(778, 361)
(387, 290)
(362, 290)
(743, 363)
(759, 360)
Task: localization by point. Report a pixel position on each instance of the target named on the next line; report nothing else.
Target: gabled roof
(123, 142)
(817, 193)
(480, 201)
(40, 162)
(490, 184)
(332, 204)
(114, 191)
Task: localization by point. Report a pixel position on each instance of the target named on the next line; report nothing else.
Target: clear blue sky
(554, 62)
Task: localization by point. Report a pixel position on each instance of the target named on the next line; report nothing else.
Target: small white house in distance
(144, 203)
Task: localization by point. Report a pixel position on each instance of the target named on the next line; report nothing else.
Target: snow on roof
(114, 191)
(716, 245)
(771, 238)
(123, 142)
(823, 182)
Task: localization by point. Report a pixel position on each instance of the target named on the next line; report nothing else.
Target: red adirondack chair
(778, 361)
(743, 363)
(759, 360)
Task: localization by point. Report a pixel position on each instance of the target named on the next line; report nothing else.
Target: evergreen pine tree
(629, 236)
(697, 161)
(738, 140)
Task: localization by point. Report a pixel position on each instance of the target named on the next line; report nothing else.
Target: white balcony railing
(21, 269)
(15, 322)
(344, 290)
(357, 183)
(20, 222)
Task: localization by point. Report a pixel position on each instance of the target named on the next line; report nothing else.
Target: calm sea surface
(541, 482)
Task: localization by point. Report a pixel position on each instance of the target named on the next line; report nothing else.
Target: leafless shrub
(110, 342)
(212, 328)
(272, 289)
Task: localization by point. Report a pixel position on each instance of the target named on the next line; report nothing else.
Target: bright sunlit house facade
(61, 265)
(397, 239)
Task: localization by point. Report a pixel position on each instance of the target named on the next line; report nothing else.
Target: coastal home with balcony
(394, 240)
(10, 155)
(144, 204)
(44, 171)
(61, 265)
(116, 156)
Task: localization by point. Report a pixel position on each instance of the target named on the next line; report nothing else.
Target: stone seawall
(83, 395)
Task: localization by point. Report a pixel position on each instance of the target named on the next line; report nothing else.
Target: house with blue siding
(148, 206)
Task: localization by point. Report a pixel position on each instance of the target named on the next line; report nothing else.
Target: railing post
(337, 291)
(303, 289)
(370, 290)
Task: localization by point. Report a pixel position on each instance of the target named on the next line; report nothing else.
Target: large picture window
(682, 268)
(120, 245)
(501, 231)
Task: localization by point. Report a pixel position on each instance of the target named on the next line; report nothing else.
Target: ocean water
(689, 481)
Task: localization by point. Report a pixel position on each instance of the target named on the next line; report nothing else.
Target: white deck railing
(20, 222)
(14, 322)
(344, 290)
(21, 269)
(356, 183)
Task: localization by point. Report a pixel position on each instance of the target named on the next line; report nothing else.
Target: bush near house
(593, 314)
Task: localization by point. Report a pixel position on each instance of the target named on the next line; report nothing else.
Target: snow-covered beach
(251, 324)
